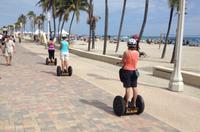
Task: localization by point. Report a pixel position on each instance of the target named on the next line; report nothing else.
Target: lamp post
(176, 81)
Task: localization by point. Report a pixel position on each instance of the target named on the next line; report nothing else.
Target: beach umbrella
(64, 32)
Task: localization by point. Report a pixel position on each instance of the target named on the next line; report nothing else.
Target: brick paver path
(34, 99)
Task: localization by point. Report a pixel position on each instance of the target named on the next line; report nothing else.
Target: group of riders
(129, 62)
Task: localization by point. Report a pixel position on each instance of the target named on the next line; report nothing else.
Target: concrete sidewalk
(175, 109)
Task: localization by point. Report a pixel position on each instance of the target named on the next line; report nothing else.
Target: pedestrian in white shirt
(9, 50)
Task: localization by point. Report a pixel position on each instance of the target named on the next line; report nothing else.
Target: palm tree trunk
(34, 27)
(43, 25)
(62, 26)
(70, 27)
(89, 38)
(24, 27)
(50, 28)
(121, 24)
(144, 23)
(93, 26)
(59, 27)
(106, 27)
(54, 20)
(90, 25)
(93, 38)
(59, 32)
(168, 31)
(173, 53)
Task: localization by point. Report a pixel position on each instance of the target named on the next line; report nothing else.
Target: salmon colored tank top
(130, 59)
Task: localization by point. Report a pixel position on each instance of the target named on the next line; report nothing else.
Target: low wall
(99, 57)
(188, 77)
(159, 71)
(90, 55)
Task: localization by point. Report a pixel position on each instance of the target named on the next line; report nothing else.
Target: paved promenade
(33, 99)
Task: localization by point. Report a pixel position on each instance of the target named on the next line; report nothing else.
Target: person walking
(3, 44)
(9, 50)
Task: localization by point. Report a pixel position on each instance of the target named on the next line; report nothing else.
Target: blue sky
(157, 21)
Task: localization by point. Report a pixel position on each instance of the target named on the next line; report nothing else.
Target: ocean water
(191, 40)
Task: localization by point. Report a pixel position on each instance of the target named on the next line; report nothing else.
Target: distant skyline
(156, 24)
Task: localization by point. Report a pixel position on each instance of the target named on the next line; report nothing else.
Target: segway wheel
(119, 105)
(140, 104)
(55, 61)
(70, 70)
(47, 61)
(59, 71)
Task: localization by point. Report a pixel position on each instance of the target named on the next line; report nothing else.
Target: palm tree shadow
(101, 77)
(99, 105)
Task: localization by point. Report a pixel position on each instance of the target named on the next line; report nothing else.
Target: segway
(119, 106)
(67, 72)
(54, 62)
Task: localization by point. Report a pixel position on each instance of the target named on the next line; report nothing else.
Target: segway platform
(119, 106)
(54, 62)
(68, 72)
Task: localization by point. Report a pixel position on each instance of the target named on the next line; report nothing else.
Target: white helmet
(132, 42)
(64, 36)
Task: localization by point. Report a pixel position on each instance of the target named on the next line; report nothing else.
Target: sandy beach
(189, 57)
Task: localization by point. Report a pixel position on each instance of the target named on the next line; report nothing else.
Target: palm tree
(42, 18)
(105, 27)
(17, 26)
(31, 16)
(121, 24)
(172, 5)
(34, 22)
(144, 23)
(94, 20)
(49, 5)
(62, 11)
(59, 13)
(11, 28)
(76, 6)
(22, 21)
(38, 21)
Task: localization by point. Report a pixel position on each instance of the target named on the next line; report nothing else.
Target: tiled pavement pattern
(34, 99)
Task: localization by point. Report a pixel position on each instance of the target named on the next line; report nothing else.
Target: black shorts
(130, 79)
(51, 54)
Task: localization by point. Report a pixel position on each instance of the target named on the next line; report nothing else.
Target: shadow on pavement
(99, 105)
(3, 64)
(101, 77)
(154, 86)
(48, 72)
(42, 63)
(158, 60)
(148, 69)
(31, 53)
